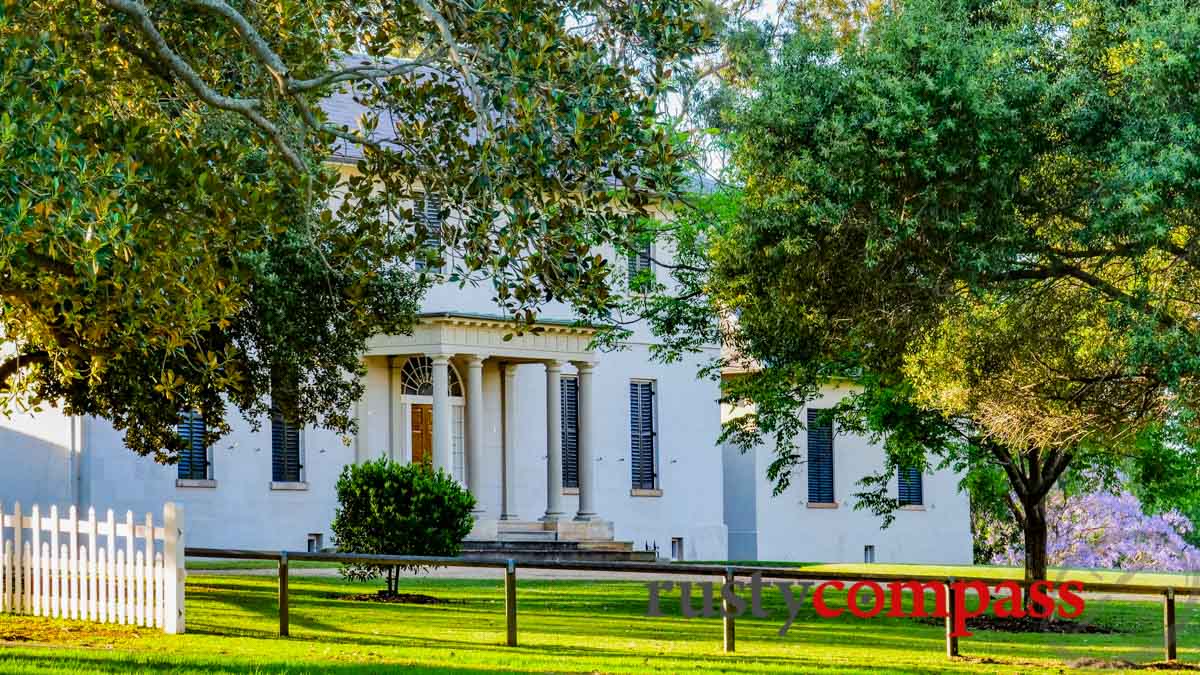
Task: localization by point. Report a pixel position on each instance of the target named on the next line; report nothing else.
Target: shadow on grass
(127, 663)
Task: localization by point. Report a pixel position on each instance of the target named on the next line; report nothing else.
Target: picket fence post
(174, 572)
(86, 574)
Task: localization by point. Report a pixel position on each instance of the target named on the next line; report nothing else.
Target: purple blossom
(1101, 530)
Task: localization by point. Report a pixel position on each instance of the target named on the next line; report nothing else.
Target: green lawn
(207, 564)
(996, 572)
(565, 626)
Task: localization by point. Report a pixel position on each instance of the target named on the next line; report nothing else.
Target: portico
(452, 395)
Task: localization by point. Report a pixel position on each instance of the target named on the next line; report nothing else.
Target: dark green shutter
(641, 432)
(285, 449)
(430, 216)
(193, 461)
(640, 260)
(912, 491)
(570, 432)
(820, 457)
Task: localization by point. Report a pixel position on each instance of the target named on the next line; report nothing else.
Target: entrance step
(520, 526)
(524, 549)
(529, 536)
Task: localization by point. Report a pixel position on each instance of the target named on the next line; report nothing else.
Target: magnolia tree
(1101, 530)
(170, 237)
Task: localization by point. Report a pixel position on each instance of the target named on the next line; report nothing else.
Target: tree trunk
(1036, 540)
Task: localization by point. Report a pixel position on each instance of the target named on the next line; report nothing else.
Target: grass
(564, 626)
(995, 572)
(205, 564)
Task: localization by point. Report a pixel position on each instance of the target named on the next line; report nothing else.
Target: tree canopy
(175, 238)
(984, 212)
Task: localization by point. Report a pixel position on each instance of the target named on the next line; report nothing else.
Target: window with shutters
(428, 213)
(640, 261)
(643, 436)
(570, 432)
(286, 466)
(820, 457)
(912, 492)
(193, 460)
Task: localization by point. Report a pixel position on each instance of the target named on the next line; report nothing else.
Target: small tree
(390, 508)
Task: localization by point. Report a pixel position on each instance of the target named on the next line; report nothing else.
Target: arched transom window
(416, 377)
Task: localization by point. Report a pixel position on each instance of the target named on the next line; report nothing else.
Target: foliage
(234, 622)
(1101, 530)
(986, 212)
(155, 259)
(389, 508)
(174, 236)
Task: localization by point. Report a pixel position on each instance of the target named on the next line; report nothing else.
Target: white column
(554, 509)
(587, 445)
(475, 432)
(442, 441)
(508, 481)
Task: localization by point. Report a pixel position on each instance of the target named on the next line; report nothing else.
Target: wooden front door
(422, 433)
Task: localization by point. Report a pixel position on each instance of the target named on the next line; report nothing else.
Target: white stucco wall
(789, 530)
(242, 511)
(689, 469)
(36, 453)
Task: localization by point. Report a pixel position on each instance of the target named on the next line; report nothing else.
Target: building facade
(548, 434)
(814, 518)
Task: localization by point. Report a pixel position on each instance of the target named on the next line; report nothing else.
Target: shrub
(389, 508)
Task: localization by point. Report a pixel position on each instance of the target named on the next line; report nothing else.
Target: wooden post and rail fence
(726, 573)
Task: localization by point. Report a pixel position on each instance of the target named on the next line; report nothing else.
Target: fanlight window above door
(416, 377)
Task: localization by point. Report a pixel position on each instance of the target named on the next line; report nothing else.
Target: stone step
(529, 536)
(520, 526)
(609, 551)
(519, 544)
(553, 554)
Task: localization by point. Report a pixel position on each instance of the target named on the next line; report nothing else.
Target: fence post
(174, 572)
(18, 563)
(510, 602)
(1169, 624)
(283, 594)
(727, 610)
(951, 616)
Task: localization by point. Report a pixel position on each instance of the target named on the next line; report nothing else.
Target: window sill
(913, 507)
(570, 491)
(822, 505)
(639, 492)
(195, 483)
(289, 486)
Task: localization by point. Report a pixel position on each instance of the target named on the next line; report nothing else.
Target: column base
(510, 516)
(551, 518)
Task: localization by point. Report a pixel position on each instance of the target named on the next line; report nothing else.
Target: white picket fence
(60, 567)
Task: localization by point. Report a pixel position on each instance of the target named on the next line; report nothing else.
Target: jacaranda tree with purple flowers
(1111, 531)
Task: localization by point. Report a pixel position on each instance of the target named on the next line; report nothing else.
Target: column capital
(554, 366)
(584, 366)
(474, 360)
(439, 358)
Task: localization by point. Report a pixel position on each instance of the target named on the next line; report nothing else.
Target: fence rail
(76, 569)
(727, 573)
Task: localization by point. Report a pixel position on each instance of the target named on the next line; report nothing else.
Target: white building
(483, 408)
(814, 519)
(556, 441)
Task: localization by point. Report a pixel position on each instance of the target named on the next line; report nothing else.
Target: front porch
(459, 395)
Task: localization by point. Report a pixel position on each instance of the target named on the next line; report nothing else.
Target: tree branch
(250, 108)
(16, 363)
